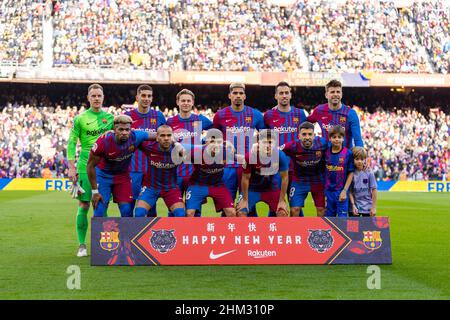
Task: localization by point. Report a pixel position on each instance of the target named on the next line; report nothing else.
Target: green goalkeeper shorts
(83, 181)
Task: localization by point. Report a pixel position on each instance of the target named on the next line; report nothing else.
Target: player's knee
(190, 213)
(230, 212)
(84, 205)
(320, 212)
(295, 211)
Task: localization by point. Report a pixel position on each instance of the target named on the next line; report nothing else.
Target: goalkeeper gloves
(76, 190)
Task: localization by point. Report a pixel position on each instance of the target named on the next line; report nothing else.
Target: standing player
(261, 178)
(161, 177)
(237, 123)
(339, 169)
(207, 178)
(144, 119)
(109, 165)
(187, 128)
(87, 127)
(307, 156)
(284, 118)
(336, 113)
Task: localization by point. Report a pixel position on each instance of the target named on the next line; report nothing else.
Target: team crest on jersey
(195, 123)
(109, 240)
(320, 240)
(341, 160)
(318, 154)
(153, 121)
(163, 240)
(131, 148)
(342, 119)
(372, 239)
(248, 119)
(104, 120)
(295, 120)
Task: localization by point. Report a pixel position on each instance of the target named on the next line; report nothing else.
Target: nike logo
(213, 256)
(228, 120)
(153, 155)
(112, 153)
(89, 123)
(276, 120)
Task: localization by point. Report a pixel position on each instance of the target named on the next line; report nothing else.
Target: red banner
(228, 241)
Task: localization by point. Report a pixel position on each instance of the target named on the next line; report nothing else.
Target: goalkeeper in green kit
(87, 127)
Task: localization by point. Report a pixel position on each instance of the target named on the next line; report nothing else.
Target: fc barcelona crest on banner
(372, 239)
(109, 240)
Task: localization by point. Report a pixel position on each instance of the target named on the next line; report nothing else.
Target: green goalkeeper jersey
(87, 127)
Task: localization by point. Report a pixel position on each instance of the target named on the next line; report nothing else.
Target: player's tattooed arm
(282, 210)
(92, 162)
(373, 210)
(242, 206)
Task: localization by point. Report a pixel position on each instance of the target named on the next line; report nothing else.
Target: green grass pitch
(38, 243)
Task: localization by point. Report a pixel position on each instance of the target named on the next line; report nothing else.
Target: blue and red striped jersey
(308, 163)
(116, 157)
(265, 175)
(345, 117)
(337, 167)
(161, 173)
(188, 131)
(149, 121)
(285, 123)
(239, 125)
(208, 172)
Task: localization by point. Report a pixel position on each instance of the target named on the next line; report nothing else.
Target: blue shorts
(195, 196)
(151, 195)
(298, 192)
(270, 197)
(334, 206)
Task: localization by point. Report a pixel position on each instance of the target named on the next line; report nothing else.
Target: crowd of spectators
(402, 144)
(247, 36)
(230, 35)
(432, 22)
(120, 33)
(358, 35)
(407, 145)
(21, 32)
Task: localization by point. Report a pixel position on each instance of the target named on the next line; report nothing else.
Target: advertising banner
(240, 241)
(409, 80)
(215, 77)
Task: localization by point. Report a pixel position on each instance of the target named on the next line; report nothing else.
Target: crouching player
(363, 190)
(207, 178)
(307, 155)
(339, 169)
(161, 176)
(108, 166)
(264, 166)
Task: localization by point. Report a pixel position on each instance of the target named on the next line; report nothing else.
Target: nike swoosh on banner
(217, 256)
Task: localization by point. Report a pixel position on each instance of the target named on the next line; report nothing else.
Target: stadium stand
(214, 35)
(21, 32)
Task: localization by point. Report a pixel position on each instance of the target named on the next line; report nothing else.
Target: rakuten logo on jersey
(285, 129)
(161, 165)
